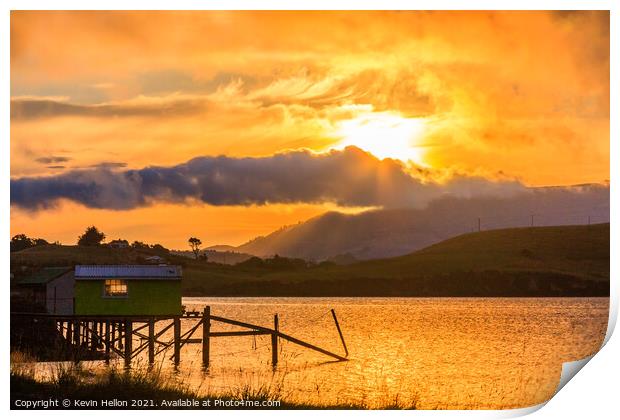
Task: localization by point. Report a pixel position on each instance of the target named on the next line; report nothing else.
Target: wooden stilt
(274, 342)
(93, 333)
(76, 333)
(177, 340)
(128, 342)
(151, 340)
(206, 335)
(69, 332)
(107, 341)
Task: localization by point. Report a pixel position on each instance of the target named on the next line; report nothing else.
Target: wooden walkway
(116, 334)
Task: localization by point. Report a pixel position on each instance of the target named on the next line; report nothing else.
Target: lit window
(115, 287)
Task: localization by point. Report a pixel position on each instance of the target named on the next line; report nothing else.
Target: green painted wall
(145, 297)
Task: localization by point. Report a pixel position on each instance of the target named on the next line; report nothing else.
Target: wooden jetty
(115, 334)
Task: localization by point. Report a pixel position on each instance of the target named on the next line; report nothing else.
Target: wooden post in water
(151, 340)
(206, 335)
(177, 340)
(274, 342)
(107, 341)
(128, 341)
(346, 352)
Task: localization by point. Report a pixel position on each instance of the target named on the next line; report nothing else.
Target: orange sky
(515, 95)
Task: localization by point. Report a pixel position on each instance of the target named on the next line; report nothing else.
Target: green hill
(539, 261)
(582, 251)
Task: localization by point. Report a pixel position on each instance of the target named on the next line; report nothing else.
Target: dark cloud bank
(29, 109)
(52, 159)
(350, 177)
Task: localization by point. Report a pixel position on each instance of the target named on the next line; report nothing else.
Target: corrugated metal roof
(45, 275)
(85, 272)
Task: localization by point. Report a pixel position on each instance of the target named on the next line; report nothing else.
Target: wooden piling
(206, 335)
(128, 341)
(151, 340)
(274, 342)
(177, 340)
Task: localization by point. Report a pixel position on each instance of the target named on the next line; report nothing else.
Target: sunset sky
(157, 126)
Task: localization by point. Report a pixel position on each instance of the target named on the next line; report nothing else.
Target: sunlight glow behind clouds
(385, 135)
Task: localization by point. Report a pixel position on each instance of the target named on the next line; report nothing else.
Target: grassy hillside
(61, 255)
(548, 261)
(582, 251)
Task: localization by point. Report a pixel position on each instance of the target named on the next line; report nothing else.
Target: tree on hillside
(160, 249)
(91, 237)
(21, 241)
(194, 244)
(139, 245)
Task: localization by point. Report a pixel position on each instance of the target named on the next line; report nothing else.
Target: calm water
(442, 352)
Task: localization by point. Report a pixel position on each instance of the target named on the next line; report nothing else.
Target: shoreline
(138, 391)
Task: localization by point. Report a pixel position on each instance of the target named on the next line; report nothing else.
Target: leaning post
(344, 345)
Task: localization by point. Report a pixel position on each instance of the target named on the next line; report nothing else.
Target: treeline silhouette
(488, 283)
(278, 263)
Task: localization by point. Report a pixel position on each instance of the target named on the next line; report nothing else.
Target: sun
(385, 135)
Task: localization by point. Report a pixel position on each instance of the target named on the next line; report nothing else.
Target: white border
(593, 394)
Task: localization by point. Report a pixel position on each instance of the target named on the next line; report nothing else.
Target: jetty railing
(115, 334)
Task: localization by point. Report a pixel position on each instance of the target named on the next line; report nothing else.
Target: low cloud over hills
(392, 232)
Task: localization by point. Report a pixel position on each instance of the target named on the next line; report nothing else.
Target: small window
(115, 288)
